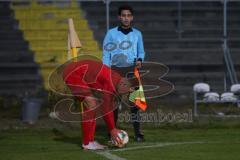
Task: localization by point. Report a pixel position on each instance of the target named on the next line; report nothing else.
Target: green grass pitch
(166, 143)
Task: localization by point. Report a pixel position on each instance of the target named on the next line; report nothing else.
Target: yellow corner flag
(73, 45)
(137, 97)
(73, 40)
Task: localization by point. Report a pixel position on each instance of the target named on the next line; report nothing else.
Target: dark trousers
(135, 117)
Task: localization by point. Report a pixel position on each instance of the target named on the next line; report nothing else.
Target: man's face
(123, 86)
(126, 18)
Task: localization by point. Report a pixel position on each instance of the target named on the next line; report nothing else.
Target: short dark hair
(125, 7)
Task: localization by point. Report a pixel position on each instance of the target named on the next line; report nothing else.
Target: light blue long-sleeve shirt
(121, 49)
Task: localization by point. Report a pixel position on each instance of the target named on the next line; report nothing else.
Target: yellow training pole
(73, 44)
(74, 52)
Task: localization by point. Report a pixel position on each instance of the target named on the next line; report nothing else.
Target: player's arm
(108, 107)
(140, 51)
(106, 58)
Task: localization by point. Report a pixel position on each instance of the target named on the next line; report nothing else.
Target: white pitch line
(109, 155)
(155, 145)
(112, 156)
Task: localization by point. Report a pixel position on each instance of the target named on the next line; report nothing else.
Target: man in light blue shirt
(121, 41)
(123, 47)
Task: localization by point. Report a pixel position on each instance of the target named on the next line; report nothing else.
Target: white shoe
(89, 146)
(98, 145)
(93, 146)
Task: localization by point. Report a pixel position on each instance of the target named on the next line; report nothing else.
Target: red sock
(88, 125)
(86, 132)
(93, 125)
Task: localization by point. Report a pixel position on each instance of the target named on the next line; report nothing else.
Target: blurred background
(198, 40)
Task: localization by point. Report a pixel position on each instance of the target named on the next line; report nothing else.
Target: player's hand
(139, 64)
(114, 135)
(131, 89)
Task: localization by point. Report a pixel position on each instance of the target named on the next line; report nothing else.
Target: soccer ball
(124, 139)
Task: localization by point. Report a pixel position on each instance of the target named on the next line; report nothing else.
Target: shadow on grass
(62, 137)
(101, 135)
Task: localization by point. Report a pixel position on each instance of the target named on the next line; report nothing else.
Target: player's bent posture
(123, 47)
(96, 85)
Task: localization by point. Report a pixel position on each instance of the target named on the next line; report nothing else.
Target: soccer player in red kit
(97, 86)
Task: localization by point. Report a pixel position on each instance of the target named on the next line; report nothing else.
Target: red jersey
(85, 78)
(90, 74)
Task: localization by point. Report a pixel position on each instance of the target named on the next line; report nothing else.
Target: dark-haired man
(123, 47)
